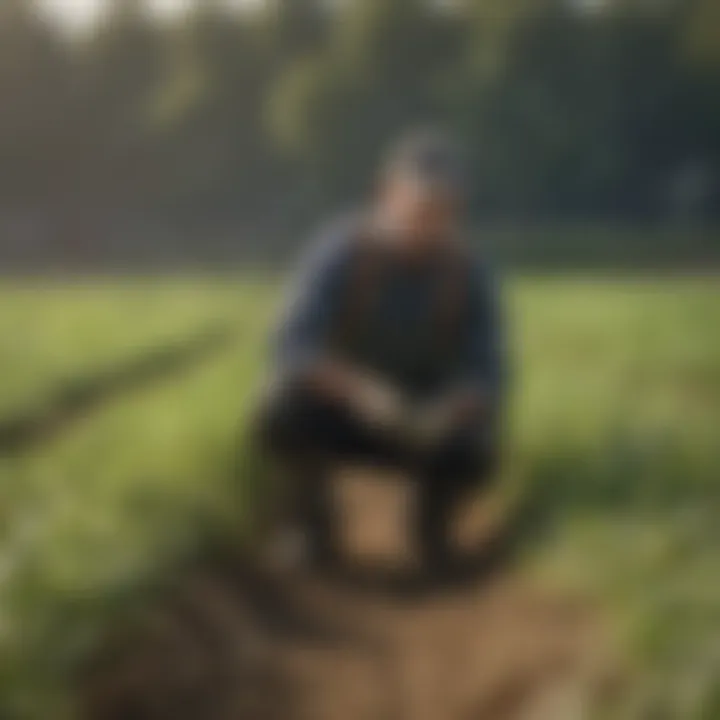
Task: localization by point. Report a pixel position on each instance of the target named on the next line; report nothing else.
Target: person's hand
(376, 403)
(432, 423)
(465, 406)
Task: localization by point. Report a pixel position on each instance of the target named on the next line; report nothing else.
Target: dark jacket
(398, 335)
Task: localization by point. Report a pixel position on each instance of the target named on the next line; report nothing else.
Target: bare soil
(375, 645)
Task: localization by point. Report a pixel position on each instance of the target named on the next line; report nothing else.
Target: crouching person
(389, 353)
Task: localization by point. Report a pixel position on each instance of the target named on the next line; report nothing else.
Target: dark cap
(428, 157)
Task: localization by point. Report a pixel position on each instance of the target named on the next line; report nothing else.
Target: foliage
(265, 115)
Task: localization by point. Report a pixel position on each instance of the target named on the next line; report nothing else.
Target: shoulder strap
(452, 300)
(362, 281)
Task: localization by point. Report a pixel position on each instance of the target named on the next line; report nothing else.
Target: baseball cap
(429, 158)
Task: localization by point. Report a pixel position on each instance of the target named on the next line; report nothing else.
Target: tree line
(568, 109)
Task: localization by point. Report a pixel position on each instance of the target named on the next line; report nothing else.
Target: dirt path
(75, 399)
(487, 649)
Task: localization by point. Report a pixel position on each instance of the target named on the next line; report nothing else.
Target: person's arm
(309, 314)
(304, 344)
(476, 394)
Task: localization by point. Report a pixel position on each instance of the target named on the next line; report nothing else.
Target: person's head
(421, 190)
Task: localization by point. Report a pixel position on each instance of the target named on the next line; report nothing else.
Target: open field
(615, 438)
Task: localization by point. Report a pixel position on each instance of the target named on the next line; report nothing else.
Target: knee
(468, 458)
(287, 419)
(275, 418)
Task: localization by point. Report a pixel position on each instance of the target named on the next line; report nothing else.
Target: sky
(78, 13)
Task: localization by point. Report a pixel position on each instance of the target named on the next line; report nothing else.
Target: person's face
(420, 216)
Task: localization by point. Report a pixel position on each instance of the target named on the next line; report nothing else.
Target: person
(390, 352)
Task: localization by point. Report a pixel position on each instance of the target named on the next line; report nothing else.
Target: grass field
(615, 437)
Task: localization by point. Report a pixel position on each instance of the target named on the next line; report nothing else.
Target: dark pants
(311, 434)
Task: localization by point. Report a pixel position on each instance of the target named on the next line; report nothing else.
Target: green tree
(386, 68)
(36, 97)
(122, 67)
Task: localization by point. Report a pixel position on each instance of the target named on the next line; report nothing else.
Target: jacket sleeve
(309, 313)
(484, 362)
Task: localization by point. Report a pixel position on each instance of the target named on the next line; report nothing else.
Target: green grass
(55, 332)
(616, 434)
